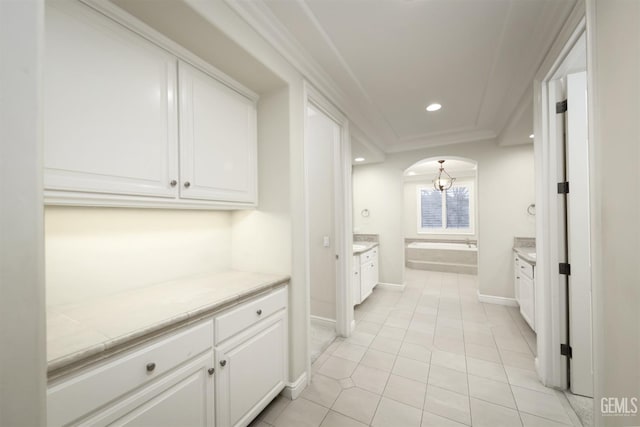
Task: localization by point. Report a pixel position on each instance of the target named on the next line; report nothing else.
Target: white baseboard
(293, 390)
(490, 299)
(323, 321)
(391, 286)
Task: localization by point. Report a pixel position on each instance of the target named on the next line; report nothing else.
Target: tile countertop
(79, 334)
(367, 246)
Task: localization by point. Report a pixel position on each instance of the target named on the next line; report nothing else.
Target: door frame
(343, 236)
(551, 328)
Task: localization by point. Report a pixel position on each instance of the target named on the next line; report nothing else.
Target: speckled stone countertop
(79, 334)
(525, 247)
(363, 247)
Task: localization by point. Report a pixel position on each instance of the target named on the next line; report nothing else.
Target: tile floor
(321, 337)
(430, 355)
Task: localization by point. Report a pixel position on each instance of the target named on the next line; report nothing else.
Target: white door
(577, 158)
(322, 139)
(110, 118)
(218, 146)
(250, 371)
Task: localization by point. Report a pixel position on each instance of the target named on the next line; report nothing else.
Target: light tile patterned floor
(430, 355)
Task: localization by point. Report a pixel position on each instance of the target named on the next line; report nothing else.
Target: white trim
(329, 323)
(292, 390)
(132, 23)
(391, 286)
(491, 299)
(353, 325)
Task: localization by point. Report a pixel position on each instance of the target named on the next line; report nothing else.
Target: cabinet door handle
(517, 277)
(223, 363)
(522, 266)
(187, 184)
(211, 371)
(151, 366)
(259, 312)
(173, 183)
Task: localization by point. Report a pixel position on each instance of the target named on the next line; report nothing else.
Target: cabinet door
(355, 281)
(516, 278)
(366, 279)
(218, 159)
(110, 108)
(250, 371)
(182, 398)
(527, 300)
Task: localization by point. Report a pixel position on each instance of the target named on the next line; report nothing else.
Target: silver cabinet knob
(173, 183)
(151, 366)
(187, 184)
(211, 371)
(223, 363)
(259, 312)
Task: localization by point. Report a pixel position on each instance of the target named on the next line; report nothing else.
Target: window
(446, 212)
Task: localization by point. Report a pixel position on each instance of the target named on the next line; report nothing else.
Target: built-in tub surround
(370, 238)
(79, 334)
(453, 256)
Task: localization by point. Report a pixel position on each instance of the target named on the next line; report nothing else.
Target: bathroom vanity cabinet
(525, 291)
(220, 370)
(365, 274)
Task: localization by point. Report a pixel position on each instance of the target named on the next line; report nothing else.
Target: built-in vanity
(365, 267)
(209, 350)
(524, 278)
(135, 120)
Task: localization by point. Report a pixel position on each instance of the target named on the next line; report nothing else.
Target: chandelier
(443, 180)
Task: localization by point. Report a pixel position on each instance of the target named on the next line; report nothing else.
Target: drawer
(526, 268)
(249, 313)
(370, 255)
(76, 396)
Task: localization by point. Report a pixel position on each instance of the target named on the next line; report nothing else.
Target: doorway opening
(440, 219)
(327, 166)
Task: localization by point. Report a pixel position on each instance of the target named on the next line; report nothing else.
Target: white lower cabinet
(525, 290)
(166, 382)
(183, 380)
(251, 371)
(365, 275)
(182, 398)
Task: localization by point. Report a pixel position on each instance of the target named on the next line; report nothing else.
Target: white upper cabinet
(128, 123)
(217, 140)
(110, 107)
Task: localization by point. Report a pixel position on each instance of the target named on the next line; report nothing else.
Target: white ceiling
(391, 58)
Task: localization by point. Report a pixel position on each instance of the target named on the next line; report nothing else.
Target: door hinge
(565, 350)
(565, 268)
(561, 107)
(563, 188)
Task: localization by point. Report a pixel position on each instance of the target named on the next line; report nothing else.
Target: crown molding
(258, 15)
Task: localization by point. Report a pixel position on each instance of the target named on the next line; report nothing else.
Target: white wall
(22, 294)
(411, 216)
(505, 189)
(614, 93)
(261, 238)
(91, 252)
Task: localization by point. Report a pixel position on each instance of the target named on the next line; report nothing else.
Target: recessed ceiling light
(531, 136)
(411, 173)
(434, 107)
(359, 159)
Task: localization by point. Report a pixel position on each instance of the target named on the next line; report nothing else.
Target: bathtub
(462, 246)
(447, 256)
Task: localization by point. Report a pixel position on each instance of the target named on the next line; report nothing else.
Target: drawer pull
(259, 312)
(187, 184)
(211, 371)
(151, 366)
(223, 363)
(522, 267)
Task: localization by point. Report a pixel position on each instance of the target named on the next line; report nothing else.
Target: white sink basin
(357, 248)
